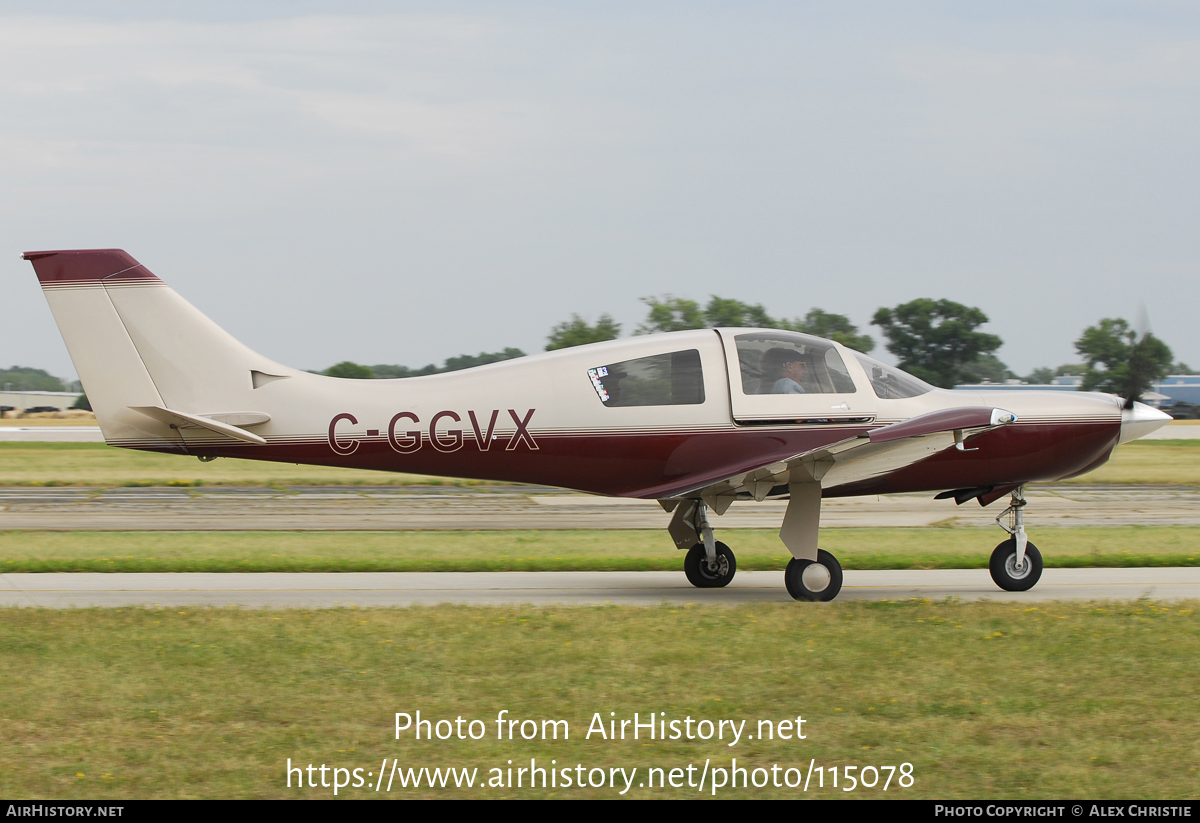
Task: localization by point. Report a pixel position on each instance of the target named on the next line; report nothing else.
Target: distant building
(19, 401)
(1177, 388)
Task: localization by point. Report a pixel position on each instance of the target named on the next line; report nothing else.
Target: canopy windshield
(889, 382)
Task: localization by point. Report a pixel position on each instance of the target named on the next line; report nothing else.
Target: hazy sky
(401, 183)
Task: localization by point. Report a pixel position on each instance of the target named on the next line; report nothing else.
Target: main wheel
(809, 580)
(695, 566)
(1004, 569)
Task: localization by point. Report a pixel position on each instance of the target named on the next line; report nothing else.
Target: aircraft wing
(871, 454)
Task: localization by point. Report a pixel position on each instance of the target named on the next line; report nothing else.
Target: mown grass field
(1153, 462)
(641, 550)
(985, 700)
(95, 464)
(1149, 462)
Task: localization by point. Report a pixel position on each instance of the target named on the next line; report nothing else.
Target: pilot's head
(780, 362)
(794, 370)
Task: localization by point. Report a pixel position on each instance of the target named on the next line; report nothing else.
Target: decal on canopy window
(673, 379)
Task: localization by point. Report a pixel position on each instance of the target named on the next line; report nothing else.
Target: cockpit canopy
(765, 357)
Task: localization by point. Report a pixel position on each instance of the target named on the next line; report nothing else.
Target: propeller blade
(1143, 321)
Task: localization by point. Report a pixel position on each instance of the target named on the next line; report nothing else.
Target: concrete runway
(318, 591)
(520, 507)
(50, 434)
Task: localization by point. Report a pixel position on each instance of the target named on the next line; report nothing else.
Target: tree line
(938, 341)
(383, 371)
(23, 378)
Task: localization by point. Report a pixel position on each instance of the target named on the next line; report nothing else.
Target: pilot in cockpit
(784, 369)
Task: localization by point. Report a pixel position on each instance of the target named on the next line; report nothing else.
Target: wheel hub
(1017, 572)
(718, 569)
(815, 577)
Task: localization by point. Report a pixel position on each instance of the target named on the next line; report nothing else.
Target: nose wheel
(814, 580)
(1016, 564)
(1011, 575)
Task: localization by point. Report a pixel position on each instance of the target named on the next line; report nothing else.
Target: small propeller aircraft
(692, 419)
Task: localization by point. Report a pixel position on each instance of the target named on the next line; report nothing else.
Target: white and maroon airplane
(693, 419)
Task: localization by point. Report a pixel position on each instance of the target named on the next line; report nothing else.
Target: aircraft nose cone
(1140, 421)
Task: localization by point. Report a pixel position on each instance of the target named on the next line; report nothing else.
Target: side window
(673, 379)
(790, 363)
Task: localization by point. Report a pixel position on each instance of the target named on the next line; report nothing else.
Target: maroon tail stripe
(86, 266)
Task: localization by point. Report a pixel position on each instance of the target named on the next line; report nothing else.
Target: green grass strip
(985, 700)
(634, 550)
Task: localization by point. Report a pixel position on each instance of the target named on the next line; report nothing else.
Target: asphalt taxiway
(521, 507)
(347, 590)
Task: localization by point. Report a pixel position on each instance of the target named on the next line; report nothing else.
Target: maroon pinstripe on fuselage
(666, 463)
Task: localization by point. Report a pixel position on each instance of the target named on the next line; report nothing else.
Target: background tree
(385, 371)
(831, 326)
(986, 368)
(1118, 362)
(577, 332)
(675, 314)
(671, 313)
(351, 370)
(468, 361)
(935, 339)
(22, 378)
(1039, 377)
(724, 312)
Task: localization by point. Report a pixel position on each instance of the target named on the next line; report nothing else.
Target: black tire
(695, 566)
(1003, 566)
(801, 589)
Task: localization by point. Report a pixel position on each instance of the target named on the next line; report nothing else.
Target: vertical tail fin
(136, 344)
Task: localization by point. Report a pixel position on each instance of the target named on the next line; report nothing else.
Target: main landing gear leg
(812, 573)
(1016, 564)
(709, 564)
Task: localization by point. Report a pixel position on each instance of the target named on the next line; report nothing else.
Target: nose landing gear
(704, 575)
(1016, 564)
(709, 564)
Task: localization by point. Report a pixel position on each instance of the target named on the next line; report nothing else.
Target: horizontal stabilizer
(181, 420)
